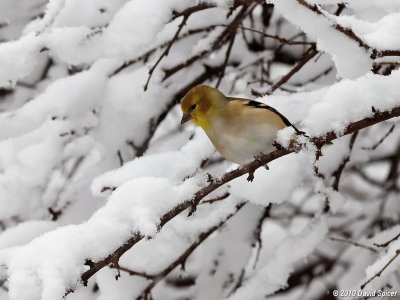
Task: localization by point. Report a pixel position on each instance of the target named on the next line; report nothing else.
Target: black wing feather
(283, 118)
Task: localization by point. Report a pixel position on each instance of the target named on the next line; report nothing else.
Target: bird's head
(200, 104)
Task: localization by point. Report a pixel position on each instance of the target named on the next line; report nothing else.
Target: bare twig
(210, 201)
(258, 231)
(166, 51)
(221, 40)
(353, 243)
(381, 270)
(338, 172)
(384, 245)
(183, 257)
(144, 57)
(190, 10)
(207, 74)
(377, 117)
(340, 8)
(350, 33)
(55, 211)
(227, 54)
(276, 37)
(315, 78)
(367, 178)
(306, 57)
(133, 273)
(381, 140)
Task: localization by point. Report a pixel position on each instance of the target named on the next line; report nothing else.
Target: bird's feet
(193, 208)
(250, 178)
(210, 179)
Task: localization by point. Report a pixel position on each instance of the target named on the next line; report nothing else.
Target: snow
(70, 138)
(326, 109)
(276, 271)
(376, 34)
(24, 233)
(350, 59)
(388, 5)
(381, 262)
(266, 187)
(18, 59)
(158, 165)
(129, 210)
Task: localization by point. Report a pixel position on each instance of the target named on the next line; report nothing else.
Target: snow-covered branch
(104, 195)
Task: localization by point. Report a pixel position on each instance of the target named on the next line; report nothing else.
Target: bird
(240, 129)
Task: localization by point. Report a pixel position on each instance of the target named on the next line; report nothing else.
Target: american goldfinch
(240, 129)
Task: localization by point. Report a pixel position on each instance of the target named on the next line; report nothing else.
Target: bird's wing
(259, 105)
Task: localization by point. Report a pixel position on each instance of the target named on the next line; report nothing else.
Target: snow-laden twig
(184, 256)
(246, 169)
(381, 270)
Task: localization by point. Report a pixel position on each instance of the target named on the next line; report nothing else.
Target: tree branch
(381, 270)
(183, 257)
(208, 73)
(338, 172)
(185, 14)
(381, 140)
(227, 54)
(242, 170)
(221, 40)
(353, 243)
(350, 33)
(306, 57)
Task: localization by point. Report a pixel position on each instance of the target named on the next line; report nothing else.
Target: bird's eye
(193, 107)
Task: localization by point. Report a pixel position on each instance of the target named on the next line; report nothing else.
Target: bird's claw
(210, 179)
(251, 176)
(277, 146)
(193, 208)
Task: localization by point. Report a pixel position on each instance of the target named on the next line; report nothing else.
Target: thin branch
(340, 8)
(256, 93)
(258, 231)
(144, 57)
(221, 40)
(350, 33)
(313, 270)
(306, 57)
(210, 201)
(363, 175)
(338, 172)
(275, 37)
(315, 78)
(381, 140)
(208, 73)
(120, 159)
(384, 245)
(227, 54)
(190, 10)
(133, 273)
(353, 243)
(377, 117)
(381, 270)
(166, 51)
(185, 14)
(55, 211)
(383, 53)
(238, 283)
(183, 257)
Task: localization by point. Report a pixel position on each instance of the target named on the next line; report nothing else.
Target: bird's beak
(186, 117)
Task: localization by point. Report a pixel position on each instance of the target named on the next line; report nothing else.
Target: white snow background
(88, 158)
